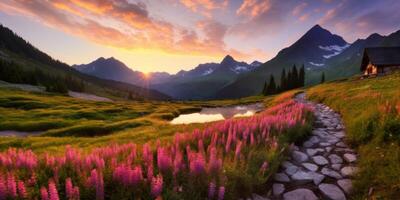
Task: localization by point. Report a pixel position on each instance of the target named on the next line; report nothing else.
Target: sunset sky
(169, 35)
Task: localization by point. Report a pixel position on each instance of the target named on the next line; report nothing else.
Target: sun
(146, 75)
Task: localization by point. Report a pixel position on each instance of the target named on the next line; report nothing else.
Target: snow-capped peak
(334, 49)
(207, 72)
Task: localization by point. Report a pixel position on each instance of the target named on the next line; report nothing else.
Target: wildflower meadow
(225, 160)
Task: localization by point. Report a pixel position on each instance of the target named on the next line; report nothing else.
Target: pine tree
(323, 77)
(283, 85)
(265, 88)
(271, 85)
(289, 82)
(295, 77)
(302, 74)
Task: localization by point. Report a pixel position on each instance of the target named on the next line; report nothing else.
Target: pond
(218, 113)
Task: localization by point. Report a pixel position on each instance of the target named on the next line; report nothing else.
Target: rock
(299, 156)
(305, 177)
(258, 197)
(291, 170)
(349, 157)
(278, 189)
(319, 160)
(307, 144)
(287, 164)
(311, 152)
(330, 173)
(340, 134)
(335, 159)
(302, 176)
(336, 167)
(341, 144)
(332, 191)
(348, 171)
(281, 177)
(300, 194)
(346, 185)
(317, 178)
(310, 166)
(328, 149)
(324, 144)
(314, 139)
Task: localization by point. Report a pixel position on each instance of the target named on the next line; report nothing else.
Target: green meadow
(63, 120)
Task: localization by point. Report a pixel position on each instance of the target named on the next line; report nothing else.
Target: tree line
(13, 73)
(292, 79)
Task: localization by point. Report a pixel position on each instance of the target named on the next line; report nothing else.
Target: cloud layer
(135, 25)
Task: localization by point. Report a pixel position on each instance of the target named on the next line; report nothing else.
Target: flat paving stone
(278, 189)
(348, 171)
(332, 191)
(300, 194)
(299, 156)
(346, 185)
(336, 167)
(350, 157)
(291, 170)
(331, 173)
(335, 159)
(281, 177)
(310, 166)
(319, 160)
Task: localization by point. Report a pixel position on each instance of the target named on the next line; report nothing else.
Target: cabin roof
(381, 56)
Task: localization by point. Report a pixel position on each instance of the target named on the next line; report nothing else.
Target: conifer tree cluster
(13, 73)
(292, 79)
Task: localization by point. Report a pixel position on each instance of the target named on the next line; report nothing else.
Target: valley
(199, 100)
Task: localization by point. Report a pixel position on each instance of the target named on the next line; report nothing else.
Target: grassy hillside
(371, 113)
(15, 51)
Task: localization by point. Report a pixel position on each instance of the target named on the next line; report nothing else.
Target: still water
(218, 113)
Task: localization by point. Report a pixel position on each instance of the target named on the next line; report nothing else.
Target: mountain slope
(319, 51)
(205, 80)
(114, 69)
(15, 49)
(313, 50)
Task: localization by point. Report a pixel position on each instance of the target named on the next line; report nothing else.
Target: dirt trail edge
(322, 167)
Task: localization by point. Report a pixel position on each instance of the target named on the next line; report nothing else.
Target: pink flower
(197, 164)
(43, 193)
(3, 188)
(156, 186)
(69, 191)
(221, 193)
(211, 190)
(22, 190)
(53, 193)
(11, 186)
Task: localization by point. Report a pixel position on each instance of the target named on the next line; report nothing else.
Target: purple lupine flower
(221, 193)
(11, 186)
(156, 186)
(69, 191)
(22, 190)
(53, 193)
(211, 190)
(3, 188)
(44, 195)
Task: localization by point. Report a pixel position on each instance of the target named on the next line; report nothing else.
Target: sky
(170, 35)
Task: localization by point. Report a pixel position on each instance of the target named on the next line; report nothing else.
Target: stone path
(322, 167)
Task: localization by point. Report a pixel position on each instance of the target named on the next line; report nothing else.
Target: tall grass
(370, 109)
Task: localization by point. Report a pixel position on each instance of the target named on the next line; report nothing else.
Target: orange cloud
(123, 24)
(254, 8)
(204, 7)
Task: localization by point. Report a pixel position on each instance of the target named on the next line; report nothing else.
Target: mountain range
(318, 50)
(15, 50)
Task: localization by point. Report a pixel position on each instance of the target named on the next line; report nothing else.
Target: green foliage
(292, 80)
(322, 77)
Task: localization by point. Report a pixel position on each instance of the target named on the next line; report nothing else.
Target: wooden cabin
(380, 61)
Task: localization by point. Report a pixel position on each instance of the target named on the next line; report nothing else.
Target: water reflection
(219, 113)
